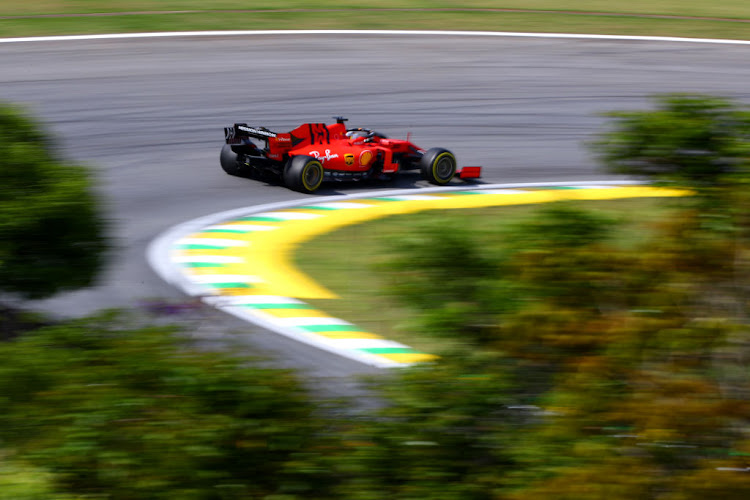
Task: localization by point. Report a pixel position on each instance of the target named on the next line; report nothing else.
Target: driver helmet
(356, 133)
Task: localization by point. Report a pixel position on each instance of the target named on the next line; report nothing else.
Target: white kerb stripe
(289, 215)
(314, 321)
(415, 197)
(213, 242)
(240, 300)
(499, 191)
(367, 343)
(208, 259)
(207, 279)
(247, 228)
(342, 205)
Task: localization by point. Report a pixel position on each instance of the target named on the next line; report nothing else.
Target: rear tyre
(229, 162)
(303, 174)
(438, 166)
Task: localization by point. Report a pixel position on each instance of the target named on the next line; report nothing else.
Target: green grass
(351, 260)
(721, 19)
(718, 8)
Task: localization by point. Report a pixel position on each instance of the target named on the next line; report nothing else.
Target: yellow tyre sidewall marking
(435, 168)
(312, 164)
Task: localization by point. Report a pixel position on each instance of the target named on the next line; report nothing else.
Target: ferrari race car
(315, 152)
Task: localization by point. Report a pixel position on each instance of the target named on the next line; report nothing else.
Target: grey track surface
(147, 116)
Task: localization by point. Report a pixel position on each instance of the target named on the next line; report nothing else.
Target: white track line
(176, 34)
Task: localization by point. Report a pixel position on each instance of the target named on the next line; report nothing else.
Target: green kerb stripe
(202, 247)
(316, 207)
(203, 264)
(233, 231)
(389, 350)
(230, 285)
(330, 328)
(262, 219)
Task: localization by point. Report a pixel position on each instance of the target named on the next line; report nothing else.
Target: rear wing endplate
(239, 132)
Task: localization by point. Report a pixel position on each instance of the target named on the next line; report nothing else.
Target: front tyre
(438, 166)
(303, 174)
(229, 162)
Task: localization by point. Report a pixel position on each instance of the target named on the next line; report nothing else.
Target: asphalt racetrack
(147, 116)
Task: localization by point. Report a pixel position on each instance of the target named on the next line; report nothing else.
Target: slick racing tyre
(303, 174)
(229, 163)
(438, 166)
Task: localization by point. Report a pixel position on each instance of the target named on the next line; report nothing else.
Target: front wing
(470, 173)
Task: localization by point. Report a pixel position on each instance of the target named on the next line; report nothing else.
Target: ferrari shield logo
(349, 159)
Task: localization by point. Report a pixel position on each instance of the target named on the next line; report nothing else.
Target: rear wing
(240, 132)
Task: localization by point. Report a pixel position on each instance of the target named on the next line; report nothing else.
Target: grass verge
(353, 261)
(724, 19)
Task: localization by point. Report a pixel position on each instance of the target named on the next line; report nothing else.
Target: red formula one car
(314, 152)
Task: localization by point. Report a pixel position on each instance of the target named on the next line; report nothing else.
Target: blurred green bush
(51, 229)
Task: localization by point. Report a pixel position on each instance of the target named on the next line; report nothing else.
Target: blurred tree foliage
(51, 234)
(99, 409)
(21, 481)
(589, 369)
(699, 141)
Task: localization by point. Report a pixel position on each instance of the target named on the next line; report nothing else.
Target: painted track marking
(249, 272)
(173, 34)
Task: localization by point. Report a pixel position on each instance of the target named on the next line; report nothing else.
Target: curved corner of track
(240, 261)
